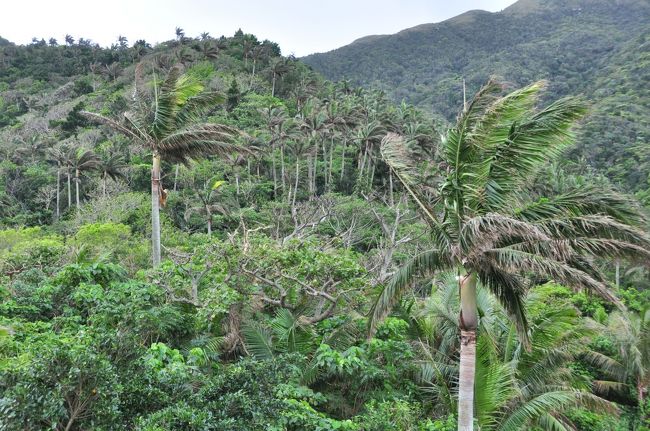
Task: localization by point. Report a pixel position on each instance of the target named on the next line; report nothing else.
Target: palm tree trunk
(282, 169)
(76, 184)
(295, 189)
(252, 75)
(275, 174)
(330, 167)
(58, 193)
(69, 191)
(345, 141)
(273, 86)
(155, 210)
(176, 177)
(468, 326)
(209, 223)
(310, 174)
(391, 198)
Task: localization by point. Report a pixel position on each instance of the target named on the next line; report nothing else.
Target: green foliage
(261, 325)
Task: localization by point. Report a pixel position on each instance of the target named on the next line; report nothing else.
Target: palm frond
(258, 340)
(510, 291)
(115, 125)
(518, 261)
(199, 141)
(425, 263)
(584, 201)
(531, 143)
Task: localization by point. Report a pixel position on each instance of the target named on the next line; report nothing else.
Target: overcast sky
(300, 27)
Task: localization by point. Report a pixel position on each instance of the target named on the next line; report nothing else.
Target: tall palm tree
(80, 161)
(110, 166)
(164, 119)
(279, 68)
(485, 227)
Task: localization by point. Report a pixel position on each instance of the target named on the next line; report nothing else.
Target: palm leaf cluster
(484, 221)
(165, 117)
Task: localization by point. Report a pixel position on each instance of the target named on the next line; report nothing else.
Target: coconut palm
(164, 119)
(486, 228)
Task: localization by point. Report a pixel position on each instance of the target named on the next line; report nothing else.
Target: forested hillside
(595, 48)
(206, 235)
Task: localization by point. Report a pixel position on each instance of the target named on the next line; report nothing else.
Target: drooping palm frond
(125, 128)
(510, 291)
(536, 409)
(425, 263)
(516, 261)
(199, 141)
(584, 201)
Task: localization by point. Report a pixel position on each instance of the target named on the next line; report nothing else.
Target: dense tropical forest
(206, 235)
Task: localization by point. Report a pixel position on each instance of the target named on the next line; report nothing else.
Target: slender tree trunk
(391, 198)
(76, 184)
(345, 141)
(69, 191)
(275, 175)
(618, 273)
(155, 210)
(176, 177)
(237, 183)
(330, 168)
(310, 174)
(295, 188)
(273, 86)
(104, 185)
(468, 326)
(282, 168)
(325, 162)
(58, 193)
(209, 224)
(252, 75)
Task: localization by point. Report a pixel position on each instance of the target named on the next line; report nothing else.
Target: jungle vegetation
(206, 235)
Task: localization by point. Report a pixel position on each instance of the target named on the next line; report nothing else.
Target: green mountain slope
(579, 46)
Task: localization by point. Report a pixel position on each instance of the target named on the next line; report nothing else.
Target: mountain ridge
(575, 45)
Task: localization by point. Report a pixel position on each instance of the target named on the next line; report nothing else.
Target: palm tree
(111, 166)
(279, 68)
(630, 334)
(180, 35)
(208, 207)
(80, 161)
(165, 120)
(485, 227)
